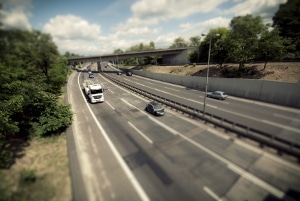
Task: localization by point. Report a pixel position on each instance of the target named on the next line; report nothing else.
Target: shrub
(189, 73)
(27, 177)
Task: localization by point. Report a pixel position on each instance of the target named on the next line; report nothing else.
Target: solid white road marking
(266, 104)
(285, 117)
(282, 126)
(172, 89)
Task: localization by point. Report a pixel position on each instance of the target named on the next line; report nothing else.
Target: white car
(218, 95)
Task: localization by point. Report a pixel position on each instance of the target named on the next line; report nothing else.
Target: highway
(124, 153)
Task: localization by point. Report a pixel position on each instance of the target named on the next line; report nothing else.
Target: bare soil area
(41, 173)
(277, 71)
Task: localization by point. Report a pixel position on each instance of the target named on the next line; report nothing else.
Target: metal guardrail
(283, 146)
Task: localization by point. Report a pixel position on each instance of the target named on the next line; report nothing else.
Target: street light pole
(117, 61)
(100, 65)
(207, 74)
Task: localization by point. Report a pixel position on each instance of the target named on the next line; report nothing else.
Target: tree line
(31, 80)
(246, 40)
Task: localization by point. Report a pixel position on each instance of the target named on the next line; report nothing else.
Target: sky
(98, 27)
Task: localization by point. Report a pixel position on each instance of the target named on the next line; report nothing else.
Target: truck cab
(94, 92)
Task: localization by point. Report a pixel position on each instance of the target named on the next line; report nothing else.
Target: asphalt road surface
(121, 152)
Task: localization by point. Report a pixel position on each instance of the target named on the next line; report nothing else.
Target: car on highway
(218, 95)
(155, 108)
(128, 73)
(119, 73)
(91, 75)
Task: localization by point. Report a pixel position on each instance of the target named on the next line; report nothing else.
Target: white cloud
(72, 27)
(263, 8)
(151, 12)
(189, 30)
(136, 31)
(15, 14)
(74, 34)
(165, 10)
(187, 25)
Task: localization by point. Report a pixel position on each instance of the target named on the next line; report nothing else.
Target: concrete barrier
(280, 93)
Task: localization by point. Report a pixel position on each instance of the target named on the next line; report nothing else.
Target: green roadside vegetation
(33, 118)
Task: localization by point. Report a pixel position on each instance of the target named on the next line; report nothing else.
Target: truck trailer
(93, 91)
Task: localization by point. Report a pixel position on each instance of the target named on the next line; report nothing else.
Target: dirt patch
(42, 173)
(279, 71)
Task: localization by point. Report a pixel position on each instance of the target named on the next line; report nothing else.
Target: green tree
(195, 41)
(287, 20)
(221, 45)
(32, 74)
(272, 46)
(118, 51)
(204, 46)
(243, 38)
(194, 55)
(141, 47)
(179, 42)
(152, 45)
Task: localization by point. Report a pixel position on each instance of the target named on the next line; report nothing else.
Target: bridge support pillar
(99, 69)
(176, 59)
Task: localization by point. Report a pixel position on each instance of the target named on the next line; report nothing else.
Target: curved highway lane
(170, 157)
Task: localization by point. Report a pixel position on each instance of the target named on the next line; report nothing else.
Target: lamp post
(117, 62)
(207, 72)
(100, 65)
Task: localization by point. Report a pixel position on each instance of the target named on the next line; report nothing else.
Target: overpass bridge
(174, 56)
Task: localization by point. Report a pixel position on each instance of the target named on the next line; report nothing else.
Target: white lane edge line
(140, 132)
(270, 105)
(282, 126)
(125, 168)
(211, 193)
(263, 120)
(285, 117)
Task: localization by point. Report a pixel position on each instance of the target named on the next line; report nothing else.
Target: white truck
(93, 91)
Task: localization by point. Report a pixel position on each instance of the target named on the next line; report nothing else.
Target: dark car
(119, 73)
(91, 75)
(128, 73)
(218, 95)
(155, 108)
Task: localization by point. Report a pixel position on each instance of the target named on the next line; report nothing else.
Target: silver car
(155, 108)
(218, 95)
